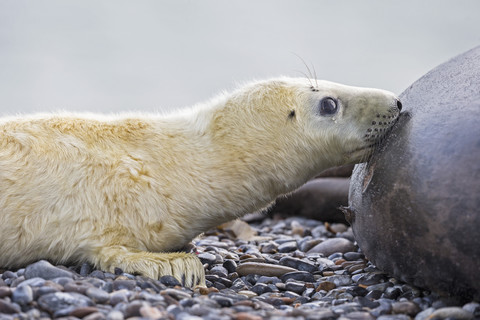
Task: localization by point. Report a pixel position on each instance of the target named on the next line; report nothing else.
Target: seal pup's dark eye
(328, 106)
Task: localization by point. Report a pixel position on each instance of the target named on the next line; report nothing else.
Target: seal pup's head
(327, 125)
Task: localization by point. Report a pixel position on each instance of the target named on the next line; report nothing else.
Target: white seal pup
(128, 191)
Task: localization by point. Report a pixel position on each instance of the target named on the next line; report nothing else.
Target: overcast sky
(118, 55)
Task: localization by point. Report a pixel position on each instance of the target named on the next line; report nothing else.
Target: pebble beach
(293, 268)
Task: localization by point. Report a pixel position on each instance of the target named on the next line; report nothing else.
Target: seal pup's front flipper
(185, 267)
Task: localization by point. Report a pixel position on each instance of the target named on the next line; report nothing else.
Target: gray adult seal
(415, 206)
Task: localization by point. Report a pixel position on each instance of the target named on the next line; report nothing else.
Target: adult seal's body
(128, 191)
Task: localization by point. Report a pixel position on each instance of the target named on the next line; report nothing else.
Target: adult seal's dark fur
(415, 206)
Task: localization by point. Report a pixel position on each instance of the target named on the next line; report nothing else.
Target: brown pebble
(5, 292)
(339, 262)
(246, 316)
(204, 290)
(83, 311)
(328, 273)
(264, 269)
(95, 316)
(151, 313)
(326, 285)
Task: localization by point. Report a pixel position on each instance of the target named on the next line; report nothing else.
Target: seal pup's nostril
(399, 105)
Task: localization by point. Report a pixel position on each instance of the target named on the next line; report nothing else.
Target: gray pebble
(45, 270)
(220, 271)
(394, 317)
(333, 245)
(54, 302)
(8, 307)
(118, 297)
(115, 315)
(425, 314)
(124, 284)
(230, 265)
(339, 280)
(268, 280)
(169, 281)
(299, 276)
(451, 313)
(261, 288)
(405, 307)
(34, 282)
(22, 295)
(298, 264)
(295, 286)
(97, 295)
(287, 247)
(206, 257)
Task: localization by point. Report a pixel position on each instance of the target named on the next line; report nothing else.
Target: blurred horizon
(118, 55)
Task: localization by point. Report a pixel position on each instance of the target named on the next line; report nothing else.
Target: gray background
(115, 55)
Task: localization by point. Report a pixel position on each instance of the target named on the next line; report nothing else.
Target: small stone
(169, 281)
(298, 264)
(268, 247)
(326, 286)
(380, 286)
(206, 257)
(177, 294)
(82, 312)
(333, 245)
(5, 292)
(246, 316)
(248, 293)
(115, 315)
(230, 265)
(287, 247)
(425, 314)
(406, 307)
(339, 280)
(77, 286)
(263, 269)
(368, 279)
(9, 275)
(124, 284)
(85, 269)
(151, 313)
(451, 313)
(219, 271)
(133, 308)
(45, 270)
(394, 317)
(352, 256)
(22, 295)
(118, 297)
(97, 295)
(358, 315)
(294, 286)
(268, 280)
(299, 276)
(95, 316)
(472, 307)
(98, 274)
(261, 288)
(9, 308)
(53, 302)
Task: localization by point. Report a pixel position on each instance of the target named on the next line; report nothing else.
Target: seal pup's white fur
(122, 191)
